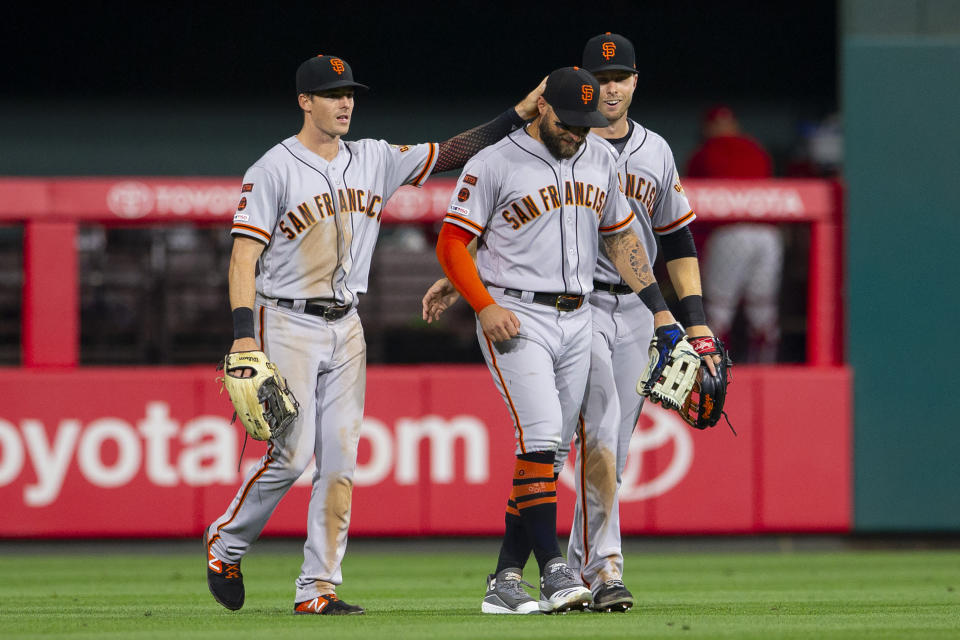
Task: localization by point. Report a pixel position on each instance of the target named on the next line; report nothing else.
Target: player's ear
(541, 105)
(305, 101)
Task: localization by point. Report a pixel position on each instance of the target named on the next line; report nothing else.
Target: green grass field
(434, 591)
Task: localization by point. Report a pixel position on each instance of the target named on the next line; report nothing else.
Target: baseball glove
(672, 368)
(704, 406)
(260, 396)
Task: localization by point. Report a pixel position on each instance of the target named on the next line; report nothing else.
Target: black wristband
(653, 298)
(243, 323)
(691, 311)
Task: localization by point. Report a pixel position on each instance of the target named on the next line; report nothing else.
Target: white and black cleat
(612, 597)
(561, 591)
(505, 595)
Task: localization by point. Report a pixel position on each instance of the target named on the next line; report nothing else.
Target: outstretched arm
(455, 152)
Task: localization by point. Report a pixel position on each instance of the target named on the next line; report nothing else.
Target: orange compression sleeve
(458, 265)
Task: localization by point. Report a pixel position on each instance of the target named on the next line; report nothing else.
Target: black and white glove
(672, 368)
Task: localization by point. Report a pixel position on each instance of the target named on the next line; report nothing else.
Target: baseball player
(304, 232)
(540, 200)
(622, 324)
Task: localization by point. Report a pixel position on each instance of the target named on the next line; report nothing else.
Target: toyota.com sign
(158, 456)
(152, 452)
(111, 452)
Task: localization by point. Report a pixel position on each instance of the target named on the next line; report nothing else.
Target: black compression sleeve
(455, 152)
(678, 244)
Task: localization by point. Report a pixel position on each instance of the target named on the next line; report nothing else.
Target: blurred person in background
(819, 151)
(744, 260)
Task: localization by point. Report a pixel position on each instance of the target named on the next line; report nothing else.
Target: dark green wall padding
(902, 167)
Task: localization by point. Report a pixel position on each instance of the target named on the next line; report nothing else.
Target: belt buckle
(334, 313)
(574, 300)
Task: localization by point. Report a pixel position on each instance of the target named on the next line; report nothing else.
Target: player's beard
(555, 144)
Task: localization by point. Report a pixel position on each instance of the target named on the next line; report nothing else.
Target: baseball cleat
(561, 590)
(505, 595)
(612, 596)
(327, 605)
(224, 580)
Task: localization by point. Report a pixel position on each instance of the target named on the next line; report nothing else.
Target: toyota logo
(130, 199)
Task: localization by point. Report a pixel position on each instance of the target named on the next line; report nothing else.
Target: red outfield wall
(150, 452)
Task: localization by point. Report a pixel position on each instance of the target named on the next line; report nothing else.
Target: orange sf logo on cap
(609, 49)
(337, 65)
(586, 93)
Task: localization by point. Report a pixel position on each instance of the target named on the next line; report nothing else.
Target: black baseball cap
(609, 52)
(574, 93)
(321, 73)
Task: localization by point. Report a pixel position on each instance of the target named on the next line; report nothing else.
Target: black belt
(325, 311)
(559, 301)
(615, 289)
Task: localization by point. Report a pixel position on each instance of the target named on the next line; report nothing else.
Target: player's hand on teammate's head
(527, 108)
(439, 297)
(498, 324)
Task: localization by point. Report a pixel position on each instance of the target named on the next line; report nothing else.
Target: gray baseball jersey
(648, 177)
(622, 329)
(538, 217)
(321, 219)
(320, 222)
(539, 221)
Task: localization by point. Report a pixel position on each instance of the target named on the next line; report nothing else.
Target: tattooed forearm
(639, 264)
(630, 259)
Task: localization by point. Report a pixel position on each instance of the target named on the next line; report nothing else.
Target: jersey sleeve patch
(247, 187)
(469, 179)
